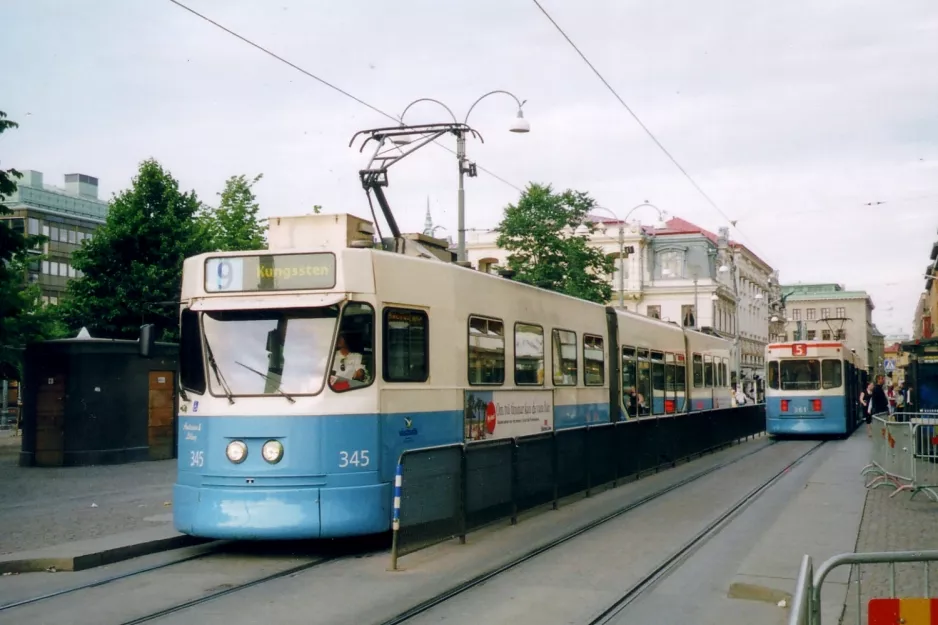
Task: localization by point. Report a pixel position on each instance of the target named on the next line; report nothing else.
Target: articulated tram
(813, 388)
(308, 368)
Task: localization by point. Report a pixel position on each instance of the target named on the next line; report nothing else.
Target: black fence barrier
(448, 491)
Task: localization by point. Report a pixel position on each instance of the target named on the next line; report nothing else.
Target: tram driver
(346, 364)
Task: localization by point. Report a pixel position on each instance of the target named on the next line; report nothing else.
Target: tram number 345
(357, 458)
(196, 458)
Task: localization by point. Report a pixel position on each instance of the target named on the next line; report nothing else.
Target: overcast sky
(790, 115)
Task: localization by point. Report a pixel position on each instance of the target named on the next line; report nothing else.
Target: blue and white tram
(812, 388)
(305, 372)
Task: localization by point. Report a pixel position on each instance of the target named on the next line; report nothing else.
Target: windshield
(800, 375)
(266, 352)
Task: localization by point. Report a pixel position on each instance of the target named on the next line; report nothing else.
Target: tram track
(105, 581)
(331, 552)
(646, 583)
(635, 590)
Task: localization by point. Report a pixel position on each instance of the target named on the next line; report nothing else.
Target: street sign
(889, 365)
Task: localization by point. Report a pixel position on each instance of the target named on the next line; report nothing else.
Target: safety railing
(806, 607)
(905, 454)
(445, 492)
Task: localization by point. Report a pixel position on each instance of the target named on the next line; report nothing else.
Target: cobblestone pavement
(897, 524)
(40, 507)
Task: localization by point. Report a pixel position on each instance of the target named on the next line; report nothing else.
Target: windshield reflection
(270, 352)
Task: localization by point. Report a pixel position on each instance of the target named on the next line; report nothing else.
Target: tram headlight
(237, 451)
(272, 451)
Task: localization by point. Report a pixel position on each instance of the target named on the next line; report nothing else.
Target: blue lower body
(334, 480)
(802, 419)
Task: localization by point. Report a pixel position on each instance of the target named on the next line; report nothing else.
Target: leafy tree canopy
(133, 265)
(233, 225)
(542, 250)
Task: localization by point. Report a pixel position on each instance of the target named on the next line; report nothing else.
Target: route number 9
(355, 458)
(799, 349)
(224, 274)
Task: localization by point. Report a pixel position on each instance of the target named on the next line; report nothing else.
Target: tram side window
(644, 382)
(594, 361)
(629, 383)
(698, 371)
(800, 375)
(564, 357)
(191, 366)
(657, 382)
(353, 362)
(486, 351)
(831, 373)
(773, 374)
(406, 345)
(723, 375)
(529, 354)
(708, 371)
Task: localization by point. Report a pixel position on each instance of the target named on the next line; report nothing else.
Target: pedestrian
(891, 397)
(865, 407)
(879, 403)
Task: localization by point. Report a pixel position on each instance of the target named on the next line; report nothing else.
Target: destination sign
(270, 272)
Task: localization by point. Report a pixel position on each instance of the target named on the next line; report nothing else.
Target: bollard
(396, 514)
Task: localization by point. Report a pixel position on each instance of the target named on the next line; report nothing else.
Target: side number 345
(355, 458)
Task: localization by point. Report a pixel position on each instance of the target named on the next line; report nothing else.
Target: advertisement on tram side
(491, 415)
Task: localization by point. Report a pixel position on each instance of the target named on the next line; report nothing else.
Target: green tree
(23, 318)
(133, 265)
(233, 225)
(543, 252)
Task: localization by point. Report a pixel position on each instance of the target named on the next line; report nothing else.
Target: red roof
(677, 226)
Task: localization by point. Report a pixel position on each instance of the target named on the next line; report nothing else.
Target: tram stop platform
(822, 520)
(74, 518)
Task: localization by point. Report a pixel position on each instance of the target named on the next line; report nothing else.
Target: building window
(796, 314)
(33, 226)
(45, 267)
(825, 313)
(812, 334)
(71, 272)
(45, 299)
(73, 237)
(53, 300)
(811, 314)
(654, 312)
(826, 335)
(54, 236)
(840, 335)
(841, 311)
(688, 316)
(670, 264)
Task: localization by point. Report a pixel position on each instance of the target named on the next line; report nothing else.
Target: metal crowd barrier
(806, 602)
(444, 492)
(905, 454)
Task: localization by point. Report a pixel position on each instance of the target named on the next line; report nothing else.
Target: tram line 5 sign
(799, 349)
(269, 272)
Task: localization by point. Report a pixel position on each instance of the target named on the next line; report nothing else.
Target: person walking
(865, 407)
(879, 403)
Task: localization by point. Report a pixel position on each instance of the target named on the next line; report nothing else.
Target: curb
(46, 559)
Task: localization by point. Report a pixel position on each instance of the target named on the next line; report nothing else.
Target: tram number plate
(358, 458)
(196, 458)
(799, 349)
(800, 409)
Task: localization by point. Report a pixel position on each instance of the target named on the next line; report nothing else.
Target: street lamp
(519, 125)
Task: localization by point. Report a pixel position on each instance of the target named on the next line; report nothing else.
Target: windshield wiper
(268, 378)
(218, 375)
